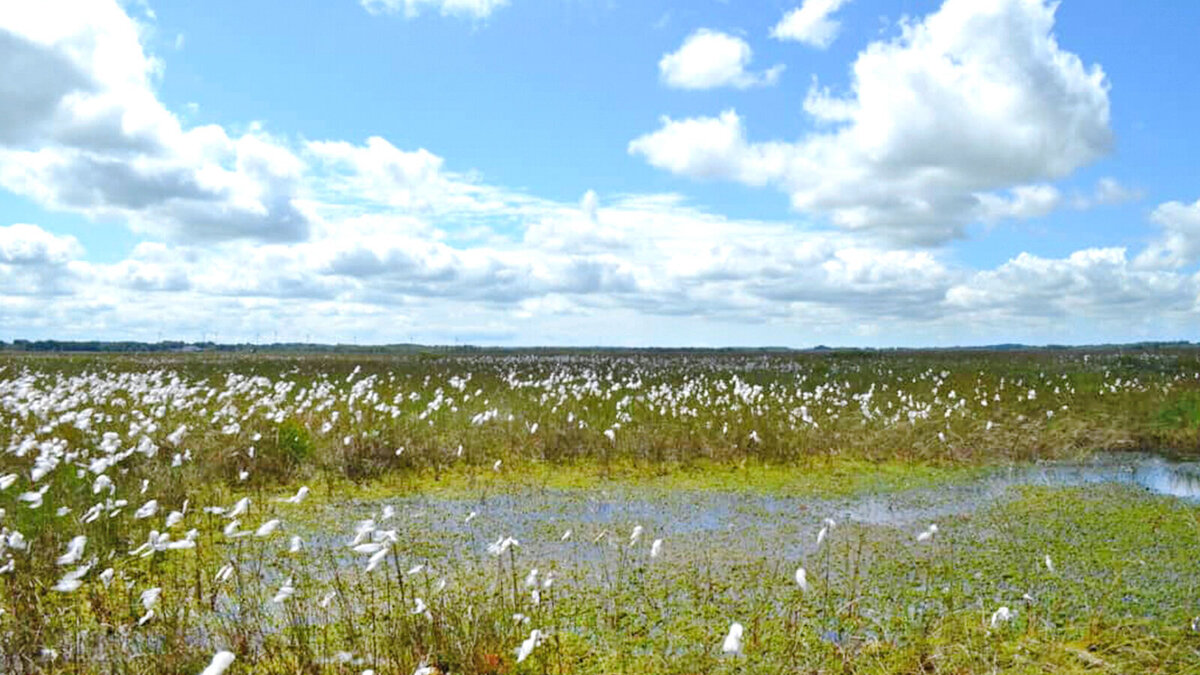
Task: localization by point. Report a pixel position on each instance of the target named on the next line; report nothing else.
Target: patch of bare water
(733, 525)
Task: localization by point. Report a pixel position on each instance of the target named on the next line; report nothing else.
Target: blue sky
(600, 172)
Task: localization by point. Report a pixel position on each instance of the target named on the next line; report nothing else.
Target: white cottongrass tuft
(72, 580)
(829, 525)
(220, 663)
(501, 545)
(101, 484)
(733, 641)
(74, 551)
(526, 648)
(296, 498)
(286, 591)
(150, 597)
(239, 508)
(267, 528)
(375, 560)
(422, 608)
(146, 510)
(34, 497)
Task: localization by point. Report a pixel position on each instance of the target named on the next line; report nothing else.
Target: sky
(896, 173)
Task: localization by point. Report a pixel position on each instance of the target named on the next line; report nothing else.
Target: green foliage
(1182, 412)
(294, 442)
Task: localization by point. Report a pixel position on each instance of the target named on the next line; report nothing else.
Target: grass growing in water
(1120, 596)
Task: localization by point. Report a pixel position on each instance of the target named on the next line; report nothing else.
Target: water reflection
(731, 521)
(1144, 470)
(1177, 480)
(1154, 473)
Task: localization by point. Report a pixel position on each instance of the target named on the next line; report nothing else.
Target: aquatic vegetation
(579, 513)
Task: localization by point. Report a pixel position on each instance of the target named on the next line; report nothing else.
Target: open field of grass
(605, 513)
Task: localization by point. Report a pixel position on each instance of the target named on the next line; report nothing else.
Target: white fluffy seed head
(220, 663)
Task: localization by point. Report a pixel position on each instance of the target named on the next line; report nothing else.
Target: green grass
(821, 479)
(768, 443)
(1120, 599)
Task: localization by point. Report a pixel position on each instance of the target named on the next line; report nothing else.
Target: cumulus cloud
(711, 148)
(36, 262)
(708, 59)
(810, 23)
(150, 267)
(1021, 202)
(23, 244)
(472, 9)
(1098, 284)
(81, 129)
(975, 98)
(381, 174)
(1178, 244)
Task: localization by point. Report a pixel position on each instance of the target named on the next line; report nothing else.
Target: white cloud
(1178, 245)
(23, 244)
(712, 148)
(82, 129)
(810, 23)
(651, 255)
(590, 204)
(473, 9)
(1090, 285)
(709, 59)
(975, 98)
(1108, 192)
(36, 262)
(380, 174)
(1021, 202)
(383, 277)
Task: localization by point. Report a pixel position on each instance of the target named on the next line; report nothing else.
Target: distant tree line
(131, 346)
